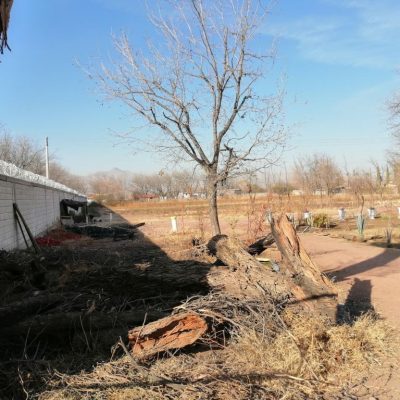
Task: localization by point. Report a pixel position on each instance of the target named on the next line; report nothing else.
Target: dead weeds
(266, 353)
(256, 349)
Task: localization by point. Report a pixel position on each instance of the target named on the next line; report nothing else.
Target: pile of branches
(253, 349)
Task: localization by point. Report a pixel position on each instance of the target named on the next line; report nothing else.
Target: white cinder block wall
(39, 205)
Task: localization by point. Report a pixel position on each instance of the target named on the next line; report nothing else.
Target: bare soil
(367, 276)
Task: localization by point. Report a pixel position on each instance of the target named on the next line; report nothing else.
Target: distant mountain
(113, 173)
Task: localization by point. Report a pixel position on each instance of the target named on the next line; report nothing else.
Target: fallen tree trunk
(13, 313)
(174, 332)
(246, 277)
(63, 324)
(299, 277)
(299, 282)
(308, 284)
(261, 244)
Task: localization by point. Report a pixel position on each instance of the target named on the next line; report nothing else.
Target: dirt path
(363, 270)
(366, 272)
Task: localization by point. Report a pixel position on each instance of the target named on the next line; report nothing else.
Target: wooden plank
(19, 215)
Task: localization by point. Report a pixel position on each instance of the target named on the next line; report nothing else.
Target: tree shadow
(105, 287)
(358, 302)
(378, 261)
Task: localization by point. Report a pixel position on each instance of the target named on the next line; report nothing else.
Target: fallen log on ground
(299, 282)
(261, 244)
(246, 277)
(101, 232)
(13, 313)
(308, 283)
(170, 333)
(63, 324)
(299, 277)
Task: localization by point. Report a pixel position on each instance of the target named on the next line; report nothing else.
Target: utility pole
(47, 157)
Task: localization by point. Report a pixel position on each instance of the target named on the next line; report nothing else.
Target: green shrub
(321, 221)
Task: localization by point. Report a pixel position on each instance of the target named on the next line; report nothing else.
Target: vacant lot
(87, 293)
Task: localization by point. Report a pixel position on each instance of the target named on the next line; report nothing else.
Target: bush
(321, 221)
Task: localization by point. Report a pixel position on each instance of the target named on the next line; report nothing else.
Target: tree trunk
(299, 277)
(246, 277)
(310, 285)
(13, 313)
(62, 324)
(213, 205)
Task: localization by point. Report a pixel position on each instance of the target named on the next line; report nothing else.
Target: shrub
(321, 221)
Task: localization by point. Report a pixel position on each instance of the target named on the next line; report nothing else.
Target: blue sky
(339, 57)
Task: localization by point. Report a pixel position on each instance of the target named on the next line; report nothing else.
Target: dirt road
(366, 272)
(369, 272)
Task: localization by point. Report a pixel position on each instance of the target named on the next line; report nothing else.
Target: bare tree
(107, 187)
(166, 184)
(21, 151)
(200, 91)
(361, 182)
(60, 174)
(318, 172)
(393, 106)
(380, 182)
(25, 153)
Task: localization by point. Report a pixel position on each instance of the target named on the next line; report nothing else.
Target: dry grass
(264, 351)
(244, 216)
(269, 355)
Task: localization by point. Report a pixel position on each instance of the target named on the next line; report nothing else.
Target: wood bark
(213, 207)
(308, 284)
(174, 332)
(298, 278)
(246, 277)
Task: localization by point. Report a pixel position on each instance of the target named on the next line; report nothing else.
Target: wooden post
(18, 214)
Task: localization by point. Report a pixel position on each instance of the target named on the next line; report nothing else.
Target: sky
(340, 60)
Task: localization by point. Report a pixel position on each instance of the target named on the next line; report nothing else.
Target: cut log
(261, 244)
(174, 332)
(309, 284)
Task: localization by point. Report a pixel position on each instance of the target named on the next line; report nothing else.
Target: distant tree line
(319, 174)
(316, 174)
(124, 185)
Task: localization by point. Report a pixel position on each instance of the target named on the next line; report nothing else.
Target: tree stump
(308, 284)
(299, 278)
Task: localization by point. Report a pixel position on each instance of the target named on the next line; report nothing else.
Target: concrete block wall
(39, 205)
